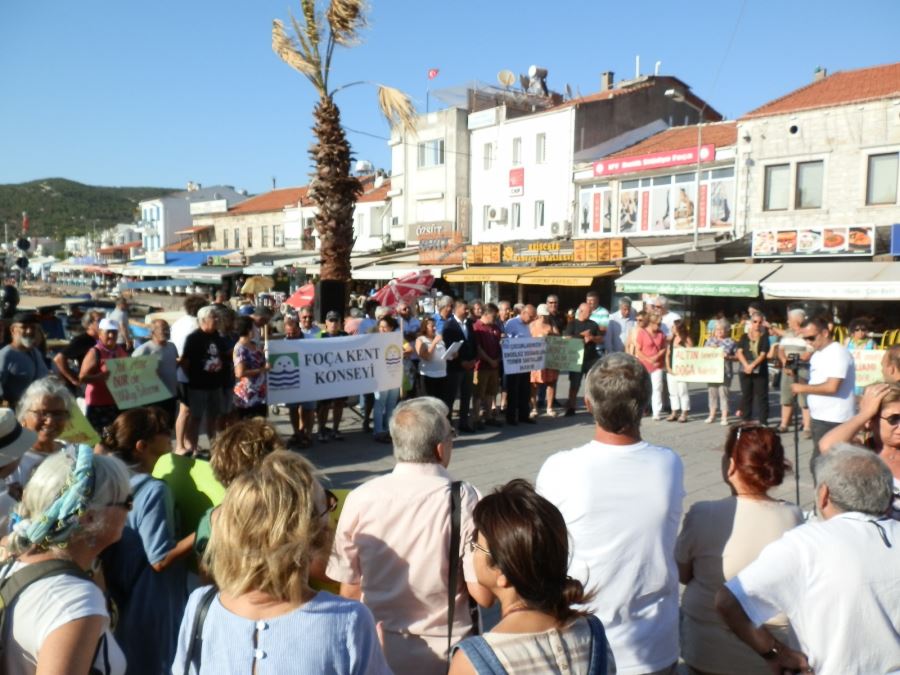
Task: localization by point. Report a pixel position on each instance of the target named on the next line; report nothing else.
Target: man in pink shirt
(391, 545)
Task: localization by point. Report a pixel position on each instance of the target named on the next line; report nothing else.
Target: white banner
(522, 355)
(316, 369)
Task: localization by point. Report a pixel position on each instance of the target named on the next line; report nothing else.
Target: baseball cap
(14, 439)
(333, 316)
(109, 324)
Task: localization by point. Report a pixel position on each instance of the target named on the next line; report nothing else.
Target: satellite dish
(506, 78)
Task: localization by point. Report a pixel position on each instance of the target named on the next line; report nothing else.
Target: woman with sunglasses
(264, 617)
(752, 353)
(719, 538)
(44, 409)
(521, 554)
(73, 508)
(145, 570)
(876, 426)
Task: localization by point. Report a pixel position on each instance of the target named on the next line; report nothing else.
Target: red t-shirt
(487, 336)
(650, 345)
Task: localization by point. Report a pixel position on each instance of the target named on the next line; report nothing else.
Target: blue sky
(159, 93)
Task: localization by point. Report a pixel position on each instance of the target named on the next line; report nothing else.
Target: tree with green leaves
(333, 189)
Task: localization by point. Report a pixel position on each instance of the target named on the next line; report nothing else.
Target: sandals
(684, 417)
(673, 416)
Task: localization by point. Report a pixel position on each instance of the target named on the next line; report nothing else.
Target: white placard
(522, 355)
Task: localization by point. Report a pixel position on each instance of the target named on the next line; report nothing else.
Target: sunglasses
(127, 504)
(810, 338)
(892, 420)
(860, 329)
(331, 503)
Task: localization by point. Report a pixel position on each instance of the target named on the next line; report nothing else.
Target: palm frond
(311, 22)
(288, 51)
(346, 19)
(397, 108)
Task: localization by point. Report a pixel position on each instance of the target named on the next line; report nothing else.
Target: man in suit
(460, 369)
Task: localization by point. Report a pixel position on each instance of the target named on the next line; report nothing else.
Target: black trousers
(437, 387)
(755, 397)
(459, 384)
(518, 392)
(819, 428)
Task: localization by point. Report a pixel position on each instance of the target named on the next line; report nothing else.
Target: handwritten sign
(134, 381)
(868, 366)
(314, 370)
(699, 364)
(564, 354)
(78, 429)
(522, 355)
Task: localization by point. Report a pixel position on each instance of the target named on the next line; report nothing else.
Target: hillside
(58, 207)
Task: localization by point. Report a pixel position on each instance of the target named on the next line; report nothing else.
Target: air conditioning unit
(567, 226)
(555, 229)
(497, 214)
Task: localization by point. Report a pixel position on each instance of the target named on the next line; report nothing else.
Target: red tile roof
(720, 134)
(840, 88)
(375, 194)
(275, 200)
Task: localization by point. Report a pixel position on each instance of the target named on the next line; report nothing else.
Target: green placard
(564, 354)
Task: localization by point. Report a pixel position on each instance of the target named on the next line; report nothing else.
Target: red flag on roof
(433, 73)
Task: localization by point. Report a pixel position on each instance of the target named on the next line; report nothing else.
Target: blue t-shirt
(328, 634)
(150, 603)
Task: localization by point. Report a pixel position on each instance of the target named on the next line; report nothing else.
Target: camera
(793, 361)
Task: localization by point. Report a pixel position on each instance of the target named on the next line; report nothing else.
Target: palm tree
(332, 187)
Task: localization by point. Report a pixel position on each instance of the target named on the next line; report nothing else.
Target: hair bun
(572, 592)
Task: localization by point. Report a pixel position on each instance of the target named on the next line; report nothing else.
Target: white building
(163, 217)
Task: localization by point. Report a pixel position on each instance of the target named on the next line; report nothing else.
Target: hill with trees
(58, 207)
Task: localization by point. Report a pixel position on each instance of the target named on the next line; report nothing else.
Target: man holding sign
(588, 332)
(518, 384)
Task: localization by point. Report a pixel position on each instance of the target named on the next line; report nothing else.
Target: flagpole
(427, 99)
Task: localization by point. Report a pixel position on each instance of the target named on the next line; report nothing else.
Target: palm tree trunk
(334, 191)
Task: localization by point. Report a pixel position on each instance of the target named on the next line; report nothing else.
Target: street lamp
(679, 97)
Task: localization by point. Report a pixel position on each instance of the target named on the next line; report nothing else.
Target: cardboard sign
(313, 370)
(134, 381)
(868, 366)
(522, 355)
(699, 364)
(78, 429)
(564, 354)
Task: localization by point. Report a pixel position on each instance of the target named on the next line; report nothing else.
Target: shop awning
(724, 280)
(388, 271)
(158, 283)
(566, 276)
(835, 281)
(502, 274)
(208, 275)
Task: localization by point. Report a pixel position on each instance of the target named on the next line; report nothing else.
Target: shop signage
(814, 242)
(556, 251)
(155, 257)
(483, 254)
(656, 160)
(719, 289)
(517, 182)
(440, 243)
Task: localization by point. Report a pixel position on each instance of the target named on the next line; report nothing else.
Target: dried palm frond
(396, 106)
(346, 19)
(287, 49)
(311, 22)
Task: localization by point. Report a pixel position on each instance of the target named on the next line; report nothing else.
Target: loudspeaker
(331, 296)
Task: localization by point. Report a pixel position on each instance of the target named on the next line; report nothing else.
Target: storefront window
(629, 206)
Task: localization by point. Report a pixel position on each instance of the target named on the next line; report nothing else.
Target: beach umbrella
(406, 288)
(302, 297)
(257, 284)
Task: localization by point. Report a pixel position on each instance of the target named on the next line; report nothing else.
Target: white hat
(15, 441)
(543, 310)
(109, 324)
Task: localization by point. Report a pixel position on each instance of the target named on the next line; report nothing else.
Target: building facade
(161, 218)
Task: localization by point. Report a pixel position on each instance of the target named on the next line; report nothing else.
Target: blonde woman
(265, 617)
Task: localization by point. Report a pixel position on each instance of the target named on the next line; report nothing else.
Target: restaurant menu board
(814, 241)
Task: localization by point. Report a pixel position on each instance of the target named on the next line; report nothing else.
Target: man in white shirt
(832, 378)
(621, 500)
(835, 579)
(620, 324)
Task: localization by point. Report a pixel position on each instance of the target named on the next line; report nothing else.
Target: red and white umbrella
(405, 289)
(302, 297)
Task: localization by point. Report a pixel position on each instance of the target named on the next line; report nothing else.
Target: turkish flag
(432, 73)
(25, 221)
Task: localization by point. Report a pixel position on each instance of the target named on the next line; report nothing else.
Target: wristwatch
(772, 654)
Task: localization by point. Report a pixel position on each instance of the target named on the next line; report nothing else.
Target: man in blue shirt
(518, 385)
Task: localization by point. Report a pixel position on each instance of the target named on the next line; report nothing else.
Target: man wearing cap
(14, 443)
(20, 361)
(167, 367)
(620, 325)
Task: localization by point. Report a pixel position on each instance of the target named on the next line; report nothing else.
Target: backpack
(12, 585)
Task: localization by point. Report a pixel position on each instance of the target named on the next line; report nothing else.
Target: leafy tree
(332, 187)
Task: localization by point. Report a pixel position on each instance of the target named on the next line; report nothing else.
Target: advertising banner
(134, 381)
(868, 366)
(313, 370)
(522, 355)
(517, 182)
(563, 354)
(656, 160)
(814, 242)
(699, 364)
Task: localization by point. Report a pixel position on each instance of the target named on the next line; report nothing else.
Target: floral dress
(250, 391)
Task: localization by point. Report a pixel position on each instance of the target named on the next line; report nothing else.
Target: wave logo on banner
(393, 356)
(285, 372)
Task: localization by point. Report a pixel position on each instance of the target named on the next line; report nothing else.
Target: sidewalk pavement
(494, 456)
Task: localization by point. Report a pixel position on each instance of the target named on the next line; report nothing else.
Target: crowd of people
(137, 555)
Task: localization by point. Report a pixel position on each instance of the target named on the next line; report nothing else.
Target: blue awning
(159, 283)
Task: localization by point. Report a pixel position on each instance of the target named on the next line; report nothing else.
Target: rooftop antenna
(568, 92)
(506, 78)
